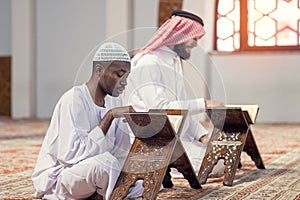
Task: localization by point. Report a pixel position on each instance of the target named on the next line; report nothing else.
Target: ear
(171, 46)
(99, 68)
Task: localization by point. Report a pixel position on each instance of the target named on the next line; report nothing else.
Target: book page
(176, 121)
(252, 109)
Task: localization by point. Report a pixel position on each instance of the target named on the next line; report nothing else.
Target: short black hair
(189, 15)
(106, 64)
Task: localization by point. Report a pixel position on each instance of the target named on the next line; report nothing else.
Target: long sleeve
(154, 85)
(77, 138)
(74, 135)
(122, 140)
(156, 82)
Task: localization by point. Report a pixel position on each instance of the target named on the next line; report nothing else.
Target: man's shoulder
(74, 90)
(74, 95)
(150, 58)
(160, 56)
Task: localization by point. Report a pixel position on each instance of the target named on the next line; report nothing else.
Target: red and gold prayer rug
(279, 145)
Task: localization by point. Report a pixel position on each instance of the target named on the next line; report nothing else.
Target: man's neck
(171, 47)
(97, 95)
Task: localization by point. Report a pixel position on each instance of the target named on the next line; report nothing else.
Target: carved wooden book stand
(231, 131)
(149, 155)
(179, 159)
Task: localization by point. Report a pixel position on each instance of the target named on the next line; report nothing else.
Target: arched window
(243, 25)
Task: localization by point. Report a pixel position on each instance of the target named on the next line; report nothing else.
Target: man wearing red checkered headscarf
(156, 80)
(180, 28)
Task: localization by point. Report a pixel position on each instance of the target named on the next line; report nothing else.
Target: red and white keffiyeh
(175, 30)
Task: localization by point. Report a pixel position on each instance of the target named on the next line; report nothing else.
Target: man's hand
(211, 103)
(113, 113)
(119, 111)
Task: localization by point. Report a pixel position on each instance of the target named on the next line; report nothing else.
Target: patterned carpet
(279, 145)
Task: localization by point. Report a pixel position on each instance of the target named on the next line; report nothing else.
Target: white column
(23, 58)
(119, 20)
(5, 30)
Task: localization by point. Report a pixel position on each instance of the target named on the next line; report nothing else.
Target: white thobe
(76, 158)
(156, 82)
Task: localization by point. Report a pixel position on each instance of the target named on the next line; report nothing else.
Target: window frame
(244, 33)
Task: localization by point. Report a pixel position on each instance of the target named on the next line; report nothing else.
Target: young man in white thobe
(156, 80)
(87, 140)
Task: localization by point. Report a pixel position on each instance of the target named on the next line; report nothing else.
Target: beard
(181, 51)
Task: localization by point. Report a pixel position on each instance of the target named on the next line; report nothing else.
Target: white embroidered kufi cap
(111, 51)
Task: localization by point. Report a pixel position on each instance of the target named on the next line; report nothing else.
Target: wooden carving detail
(227, 146)
(251, 149)
(230, 137)
(5, 86)
(148, 161)
(150, 155)
(166, 7)
(150, 185)
(227, 142)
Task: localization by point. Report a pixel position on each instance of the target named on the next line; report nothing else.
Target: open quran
(250, 111)
(158, 122)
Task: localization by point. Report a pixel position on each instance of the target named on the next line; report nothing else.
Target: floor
(279, 145)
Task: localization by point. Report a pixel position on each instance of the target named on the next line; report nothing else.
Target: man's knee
(82, 179)
(107, 162)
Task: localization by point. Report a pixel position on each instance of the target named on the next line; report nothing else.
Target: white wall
(132, 26)
(5, 30)
(270, 80)
(145, 19)
(23, 58)
(119, 24)
(66, 33)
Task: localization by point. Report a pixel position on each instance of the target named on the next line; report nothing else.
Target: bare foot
(204, 139)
